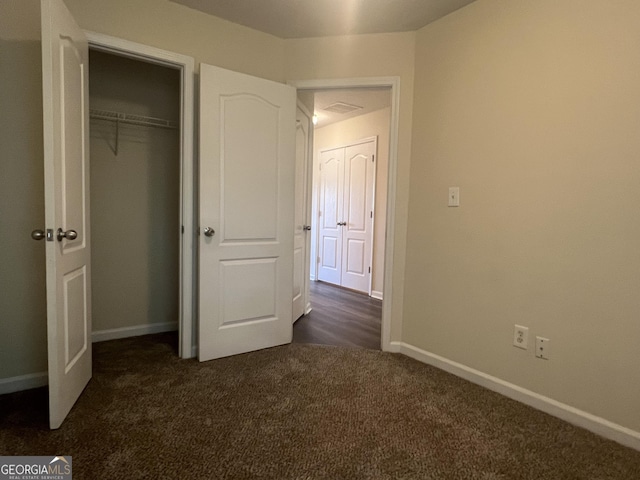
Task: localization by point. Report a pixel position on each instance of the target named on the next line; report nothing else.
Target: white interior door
(301, 224)
(331, 186)
(66, 146)
(357, 216)
(247, 162)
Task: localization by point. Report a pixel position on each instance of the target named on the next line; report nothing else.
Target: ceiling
(369, 99)
(322, 18)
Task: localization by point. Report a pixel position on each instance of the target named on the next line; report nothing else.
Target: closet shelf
(132, 119)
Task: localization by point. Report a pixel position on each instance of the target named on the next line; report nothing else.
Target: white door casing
(247, 162)
(66, 167)
(301, 238)
(346, 199)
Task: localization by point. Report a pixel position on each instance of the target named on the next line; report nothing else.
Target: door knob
(38, 234)
(209, 232)
(306, 227)
(69, 234)
(342, 224)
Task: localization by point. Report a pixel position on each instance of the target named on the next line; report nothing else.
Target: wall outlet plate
(521, 336)
(543, 346)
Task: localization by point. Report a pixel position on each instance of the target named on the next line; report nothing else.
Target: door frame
(185, 64)
(394, 84)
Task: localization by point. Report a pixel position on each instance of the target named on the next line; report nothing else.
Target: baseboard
(376, 294)
(593, 423)
(23, 382)
(135, 331)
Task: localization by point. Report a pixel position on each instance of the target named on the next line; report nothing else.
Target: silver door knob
(342, 224)
(306, 227)
(209, 232)
(69, 234)
(38, 234)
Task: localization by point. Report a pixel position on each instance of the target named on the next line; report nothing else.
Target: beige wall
(374, 124)
(135, 195)
(23, 326)
(170, 26)
(369, 56)
(532, 109)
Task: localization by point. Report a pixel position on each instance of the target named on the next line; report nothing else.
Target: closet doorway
(141, 126)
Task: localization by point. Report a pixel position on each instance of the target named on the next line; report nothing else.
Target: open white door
(247, 160)
(65, 57)
(301, 224)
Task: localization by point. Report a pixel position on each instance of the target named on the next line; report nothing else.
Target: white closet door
(65, 55)
(359, 168)
(330, 216)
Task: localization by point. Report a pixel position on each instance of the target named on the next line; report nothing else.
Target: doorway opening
(142, 151)
(349, 183)
(134, 111)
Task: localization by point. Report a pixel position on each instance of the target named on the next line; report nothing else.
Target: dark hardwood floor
(340, 317)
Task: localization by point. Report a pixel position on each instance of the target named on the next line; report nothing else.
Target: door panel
(247, 156)
(357, 233)
(68, 271)
(330, 211)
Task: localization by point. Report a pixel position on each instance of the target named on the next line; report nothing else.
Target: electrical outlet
(542, 347)
(520, 336)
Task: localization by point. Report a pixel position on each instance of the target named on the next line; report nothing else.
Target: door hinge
(373, 158)
(371, 214)
(369, 269)
(182, 229)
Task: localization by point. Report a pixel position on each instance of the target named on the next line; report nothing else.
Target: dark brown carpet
(299, 412)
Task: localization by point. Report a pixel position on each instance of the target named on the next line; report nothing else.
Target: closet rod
(132, 119)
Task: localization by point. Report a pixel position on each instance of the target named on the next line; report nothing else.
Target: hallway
(340, 317)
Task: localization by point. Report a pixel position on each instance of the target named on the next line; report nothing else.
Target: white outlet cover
(521, 336)
(543, 346)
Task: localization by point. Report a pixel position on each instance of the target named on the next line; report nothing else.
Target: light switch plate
(454, 196)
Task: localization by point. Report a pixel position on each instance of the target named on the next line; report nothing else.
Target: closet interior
(135, 195)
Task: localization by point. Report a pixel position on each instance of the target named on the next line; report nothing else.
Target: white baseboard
(376, 294)
(593, 423)
(23, 382)
(135, 331)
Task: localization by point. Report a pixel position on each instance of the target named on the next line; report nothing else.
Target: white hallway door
(346, 187)
(301, 224)
(66, 142)
(247, 163)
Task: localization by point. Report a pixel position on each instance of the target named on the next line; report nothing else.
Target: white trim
(185, 64)
(23, 382)
(394, 84)
(376, 294)
(135, 331)
(580, 418)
